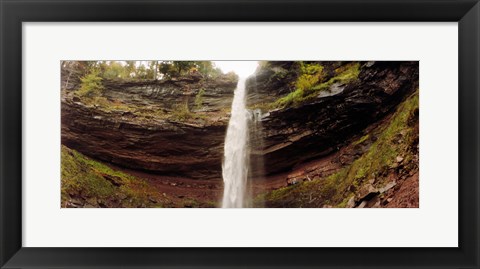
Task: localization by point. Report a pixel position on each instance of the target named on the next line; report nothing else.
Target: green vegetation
(199, 99)
(361, 140)
(95, 76)
(89, 183)
(393, 140)
(181, 112)
(312, 80)
(107, 105)
(306, 194)
(382, 154)
(120, 108)
(115, 70)
(142, 70)
(96, 183)
(91, 84)
(311, 74)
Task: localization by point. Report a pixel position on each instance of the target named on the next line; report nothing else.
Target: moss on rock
(88, 183)
(394, 146)
(312, 80)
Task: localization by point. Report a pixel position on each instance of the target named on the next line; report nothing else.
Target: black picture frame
(15, 12)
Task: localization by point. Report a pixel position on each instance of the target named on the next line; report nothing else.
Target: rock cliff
(173, 127)
(323, 124)
(177, 127)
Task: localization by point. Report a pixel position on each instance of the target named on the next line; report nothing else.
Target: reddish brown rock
(194, 149)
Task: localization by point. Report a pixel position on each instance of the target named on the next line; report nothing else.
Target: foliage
(129, 69)
(91, 84)
(181, 112)
(152, 71)
(140, 70)
(114, 70)
(199, 99)
(205, 67)
(310, 75)
(183, 66)
(310, 82)
(167, 69)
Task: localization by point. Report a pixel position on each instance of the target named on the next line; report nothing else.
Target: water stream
(236, 161)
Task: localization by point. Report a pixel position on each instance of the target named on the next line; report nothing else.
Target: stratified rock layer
(160, 143)
(148, 136)
(296, 134)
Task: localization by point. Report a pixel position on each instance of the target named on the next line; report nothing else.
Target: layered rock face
(159, 126)
(152, 125)
(217, 93)
(322, 126)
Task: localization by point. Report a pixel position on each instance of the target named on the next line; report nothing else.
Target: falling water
(235, 163)
(256, 145)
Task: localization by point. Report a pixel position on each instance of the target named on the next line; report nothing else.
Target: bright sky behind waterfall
(241, 68)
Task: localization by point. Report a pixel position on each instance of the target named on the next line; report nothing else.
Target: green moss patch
(89, 183)
(94, 184)
(312, 80)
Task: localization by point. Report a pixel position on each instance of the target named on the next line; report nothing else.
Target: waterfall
(235, 162)
(256, 174)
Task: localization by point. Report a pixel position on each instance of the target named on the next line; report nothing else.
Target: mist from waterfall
(256, 144)
(236, 157)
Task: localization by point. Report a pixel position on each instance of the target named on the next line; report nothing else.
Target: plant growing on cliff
(91, 84)
(398, 137)
(183, 66)
(311, 74)
(199, 99)
(310, 82)
(181, 111)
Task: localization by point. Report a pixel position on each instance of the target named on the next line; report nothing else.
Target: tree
(91, 84)
(206, 68)
(114, 70)
(130, 69)
(199, 99)
(182, 66)
(153, 68)
(167, 68)
(141, 72)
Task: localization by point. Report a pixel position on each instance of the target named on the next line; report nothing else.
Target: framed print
(239, 134)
